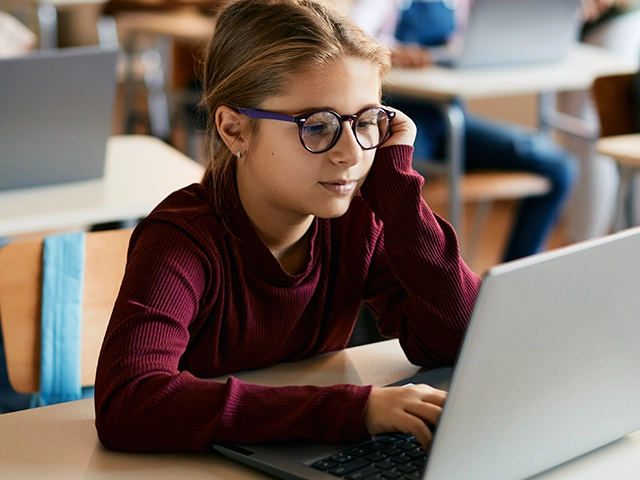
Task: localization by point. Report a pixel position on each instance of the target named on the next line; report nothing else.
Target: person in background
(615, 26)
(488, 145)
(308, 207)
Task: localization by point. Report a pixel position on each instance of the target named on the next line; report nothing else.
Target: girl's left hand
(403, 130)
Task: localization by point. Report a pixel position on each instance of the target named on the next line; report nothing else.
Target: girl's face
(278, 179)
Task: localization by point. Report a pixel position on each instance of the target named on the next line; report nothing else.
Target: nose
(347, 150)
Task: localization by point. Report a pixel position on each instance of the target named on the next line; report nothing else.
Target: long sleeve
(419, 286)
(173, 325)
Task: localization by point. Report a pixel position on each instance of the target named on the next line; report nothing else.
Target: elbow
(112, 427)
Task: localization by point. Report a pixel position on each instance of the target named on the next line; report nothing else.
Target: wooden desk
(140, 172)
(446, 86)
(60, 442)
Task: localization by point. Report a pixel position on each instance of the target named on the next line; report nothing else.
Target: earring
(238, 154)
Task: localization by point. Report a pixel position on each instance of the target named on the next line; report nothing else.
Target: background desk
(60, 442)
(446, 86)
(140, 172)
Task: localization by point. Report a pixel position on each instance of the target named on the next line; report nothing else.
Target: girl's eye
(365, 124)
(315, 129)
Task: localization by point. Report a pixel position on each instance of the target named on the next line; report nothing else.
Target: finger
(414, 426)
(435, 396)
(428, 413)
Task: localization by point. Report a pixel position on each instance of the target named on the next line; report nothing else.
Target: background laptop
(513, 32)
(56, 111)
(548, 370)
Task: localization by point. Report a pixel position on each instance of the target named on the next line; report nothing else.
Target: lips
(341, 187)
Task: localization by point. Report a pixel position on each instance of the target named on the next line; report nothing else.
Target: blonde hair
(257, 45)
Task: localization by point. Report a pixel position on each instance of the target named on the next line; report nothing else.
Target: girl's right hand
(414, 409)
(403, 130)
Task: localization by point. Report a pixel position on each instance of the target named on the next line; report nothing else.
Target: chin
(335, 212)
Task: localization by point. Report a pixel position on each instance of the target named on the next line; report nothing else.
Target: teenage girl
(308, 207)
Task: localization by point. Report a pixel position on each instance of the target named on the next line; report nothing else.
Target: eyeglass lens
(322, 129)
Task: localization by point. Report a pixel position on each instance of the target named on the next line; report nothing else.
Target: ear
(231, 127)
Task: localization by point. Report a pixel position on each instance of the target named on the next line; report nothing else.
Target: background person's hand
(410, 56)
(414, 409)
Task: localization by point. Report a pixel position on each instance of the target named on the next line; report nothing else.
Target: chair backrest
(618, 104)
(20, 303)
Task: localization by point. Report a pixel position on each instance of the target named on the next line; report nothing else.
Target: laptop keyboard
(394, 456)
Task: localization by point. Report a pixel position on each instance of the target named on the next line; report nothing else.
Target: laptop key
(391, 474)
(366, 472)
(342, 457)
(406, 446)
(348, 467)
(416, 453)
(324, 464)
(402, 458)
(362, 450)
(390, 451)
(376, 457)
(385, 464)
(406, 468)
(417, 475)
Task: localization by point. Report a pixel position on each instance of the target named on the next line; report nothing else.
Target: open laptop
(548, 371)
(56, 115)
(513, 32)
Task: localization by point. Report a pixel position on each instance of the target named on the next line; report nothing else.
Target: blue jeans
(490, 145)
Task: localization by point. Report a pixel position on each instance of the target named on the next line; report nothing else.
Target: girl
(308, 207)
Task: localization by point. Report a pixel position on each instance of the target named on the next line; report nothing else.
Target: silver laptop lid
(56, 116)
(549, 366)
(516, 32)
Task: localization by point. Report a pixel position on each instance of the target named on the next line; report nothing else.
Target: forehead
(346, 86)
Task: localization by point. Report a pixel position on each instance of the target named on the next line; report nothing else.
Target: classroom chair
(617, 99)
(484, 188)
(56, 297)
(149, 34)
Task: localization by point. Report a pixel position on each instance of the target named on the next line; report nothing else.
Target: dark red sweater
(199, 301)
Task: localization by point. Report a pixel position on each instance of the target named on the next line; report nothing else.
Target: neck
(290, 245)
(284, 233)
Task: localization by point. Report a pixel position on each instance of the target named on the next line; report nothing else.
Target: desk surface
(576, 72)
(140, 172)
(60, 442)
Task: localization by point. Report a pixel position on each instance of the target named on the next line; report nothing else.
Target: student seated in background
(308, 207)
(615, 26)
(488, 145)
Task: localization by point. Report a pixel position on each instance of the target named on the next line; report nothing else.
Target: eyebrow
(326, 107)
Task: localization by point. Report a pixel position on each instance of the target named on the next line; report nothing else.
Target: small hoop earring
(238, 154)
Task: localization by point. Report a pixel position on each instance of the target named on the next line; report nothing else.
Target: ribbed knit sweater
(202, 298)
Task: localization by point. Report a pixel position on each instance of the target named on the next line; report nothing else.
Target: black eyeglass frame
(301, 119)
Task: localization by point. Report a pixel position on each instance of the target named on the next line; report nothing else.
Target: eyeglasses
(319, 131)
